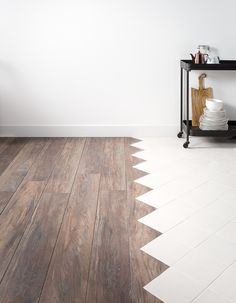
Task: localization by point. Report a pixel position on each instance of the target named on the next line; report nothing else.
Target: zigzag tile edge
(189, 243)
(141, 166)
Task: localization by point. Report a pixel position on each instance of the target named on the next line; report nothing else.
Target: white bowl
(214, 104)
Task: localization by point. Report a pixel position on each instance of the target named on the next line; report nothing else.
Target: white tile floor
(194, 193)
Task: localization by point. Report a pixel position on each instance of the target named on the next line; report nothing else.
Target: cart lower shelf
(196, 131)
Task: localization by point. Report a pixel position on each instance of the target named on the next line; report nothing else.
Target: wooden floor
(68, 222)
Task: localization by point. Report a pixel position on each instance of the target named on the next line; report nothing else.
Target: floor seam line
(94, 225)
(68, 199)
(28, 223)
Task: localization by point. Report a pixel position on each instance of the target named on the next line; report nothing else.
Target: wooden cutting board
(199, 97)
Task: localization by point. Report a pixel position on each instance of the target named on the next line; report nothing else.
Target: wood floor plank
(25, 276)
(15, 218)
(132, 151)
(143, 267)
(67, 283)
(65, 169)
(47, 159)
(113, 171)
(109, 276)
(4, 142)
(10, 152)
(133, 140)
(4, 199)
(17, 170)
(86, 251)
(93, 156)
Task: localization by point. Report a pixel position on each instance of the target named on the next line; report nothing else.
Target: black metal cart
(185, 123)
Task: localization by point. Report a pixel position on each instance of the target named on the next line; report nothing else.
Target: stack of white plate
(214, 116)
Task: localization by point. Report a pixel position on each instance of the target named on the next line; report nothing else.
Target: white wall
(80, 65)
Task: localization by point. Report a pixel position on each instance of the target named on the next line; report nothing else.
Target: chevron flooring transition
(194, 196)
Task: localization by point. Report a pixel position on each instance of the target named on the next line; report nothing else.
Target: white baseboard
(88, 130)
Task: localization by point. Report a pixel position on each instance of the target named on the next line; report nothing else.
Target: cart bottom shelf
(196, 131)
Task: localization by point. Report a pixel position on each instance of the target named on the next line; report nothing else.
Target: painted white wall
(81, 65)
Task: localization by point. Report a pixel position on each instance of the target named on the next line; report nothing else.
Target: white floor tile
(228, 232)
(222, 207)
(211, 297)
(225, 284)
(158, 221)
(207, 193)
(140, 155)
(206, 262)
(185, 185)
(229, 196)
(162, 249)
(207, 220)
(177, 187)
(188, 235)
(144, 166)
(155, 180)
(223, 251)
(202, 196)
(181, 209)
(195, 196)
(223, 166)
(157, 197)
(161, 220)
(228, 179)
(168, 164)
(174, 287)
(139, 144)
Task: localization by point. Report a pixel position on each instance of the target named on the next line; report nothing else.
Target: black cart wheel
(180, 135)
(185, 145)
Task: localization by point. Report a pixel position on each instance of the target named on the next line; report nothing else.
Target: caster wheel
(180, 134)
(185, 145)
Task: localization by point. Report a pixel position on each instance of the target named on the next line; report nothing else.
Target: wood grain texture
(17, 170)
(4, 143)
(109, 276)
(81, 242)
(93, 156)
(113, 170)
(47, 159)
(10, 152)
(25, 276)
(67, 283)
(65, 169)
(199, 102)
(15, 218)
(19, 210)
(4, 199)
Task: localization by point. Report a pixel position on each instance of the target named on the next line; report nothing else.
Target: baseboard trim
(87, 130)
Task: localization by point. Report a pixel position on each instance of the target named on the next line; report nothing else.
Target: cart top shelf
(188, 65)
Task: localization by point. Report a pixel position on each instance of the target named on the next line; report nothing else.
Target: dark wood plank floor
(68, 222)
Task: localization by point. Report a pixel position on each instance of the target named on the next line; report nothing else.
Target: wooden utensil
(199, 97)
